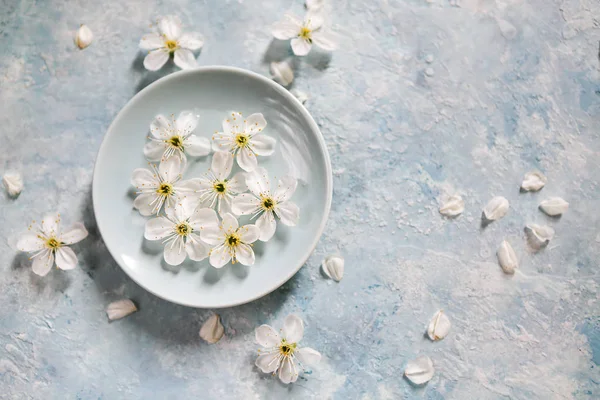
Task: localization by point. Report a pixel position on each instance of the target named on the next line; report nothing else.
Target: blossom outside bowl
(212, 92)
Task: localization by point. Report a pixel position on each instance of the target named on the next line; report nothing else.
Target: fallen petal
(84, 37)
(120, 309)
(212, 330)
(496, 208)
(13, 182)
(333, 267)
(554, 206)
(439, 326)
(300, 95)
(507, 258)
(419, 370)
(452, 207)
(538, 236)
(282, 73)
(533, 181)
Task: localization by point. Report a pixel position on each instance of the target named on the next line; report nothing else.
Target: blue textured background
(423, 98)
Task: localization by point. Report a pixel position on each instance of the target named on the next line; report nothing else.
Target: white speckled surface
(424, 98)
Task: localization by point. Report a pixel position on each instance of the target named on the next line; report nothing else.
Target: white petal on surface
(158, 228)
(221, 165)
(224, 206)
(246, 159)
(203, 218)
(453, 206)
(554, 206)
(333, 267)
(249, 233)
(268, 362)
(212, 329)
(191, 41)
(266, 336)
(325, 39)
(308, 356)
(263, 145)
(220, 256)
(196, 249)
(245, 204)
(228, 126)
(143, 178)
(175, 253)
(66, 258)
(285, 189)
(156, 59)
(170, 26)
(258, 181)
(197, 146)
(439, 326)
(287, 28)
(301, 47)
(293, 328)
(151, 41)
(186, 122)
(161, 127)
(74, 234)
(300, 95)
(533, 181)
(13, 182)
(419, 370)
(288, 212)
(507, 258)
(142, 203)
(30, 242)
(120, 309)
(153, 150)
(185, 59)
(286, 371)
(496, 208)
(84, 37)
(282, 72)
(50, 224)
(538, 236)
(229, 223)
(313, 20)
(266, 224)
(43, 263)
(212, 235)
(244, 254)
(170, 168)
(255, 123)
(237, 184)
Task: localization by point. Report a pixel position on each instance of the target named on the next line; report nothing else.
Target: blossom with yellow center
(303, 34)
(230, 242)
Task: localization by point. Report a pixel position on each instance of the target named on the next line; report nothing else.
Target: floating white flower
(174, 138)
(171, 41)
(230, 241)
(161, 186)
(216, 189)
(84, 37)
(47, 243)
(281, 353)
(266, 204)
(304, 34)
(181, 231)
(242, 137)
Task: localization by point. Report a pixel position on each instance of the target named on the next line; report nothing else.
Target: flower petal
(191, 41)
(244, 254)
(30, 242)
(50, 224)
(220, 256)
(185, 59)
(293, 328)
(325, 39)
(170, 26)
(212, 235)
(75, 234)
(158, 228)
(222, 163)
(204, 218)
(154, 150)
(287, 28)
(43, 263)
(175, 252)
(143, 178)
(66, 258)
(151, 41)
(195, 248)
(156, 59)
(288, 213)
(246, 159)
(266, 336)
(262, 145)
(229, 223)
(266, 225)
(197, 146)
(237, 184)
(313, 20)
(224, 206)
(170, 169)
(186, 122)
(223, 142)
(308, 356)
(254, 123)
(268, 362)
(258, 182)
(286, 187)
(161, 127)
(142, 203)
(287, 372)
(300, 46)
(245, 204)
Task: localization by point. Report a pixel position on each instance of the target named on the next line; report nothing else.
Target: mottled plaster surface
(423, 99)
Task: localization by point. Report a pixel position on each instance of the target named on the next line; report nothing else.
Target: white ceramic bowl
(213, 92)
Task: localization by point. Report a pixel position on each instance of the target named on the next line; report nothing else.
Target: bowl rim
(299, 108)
